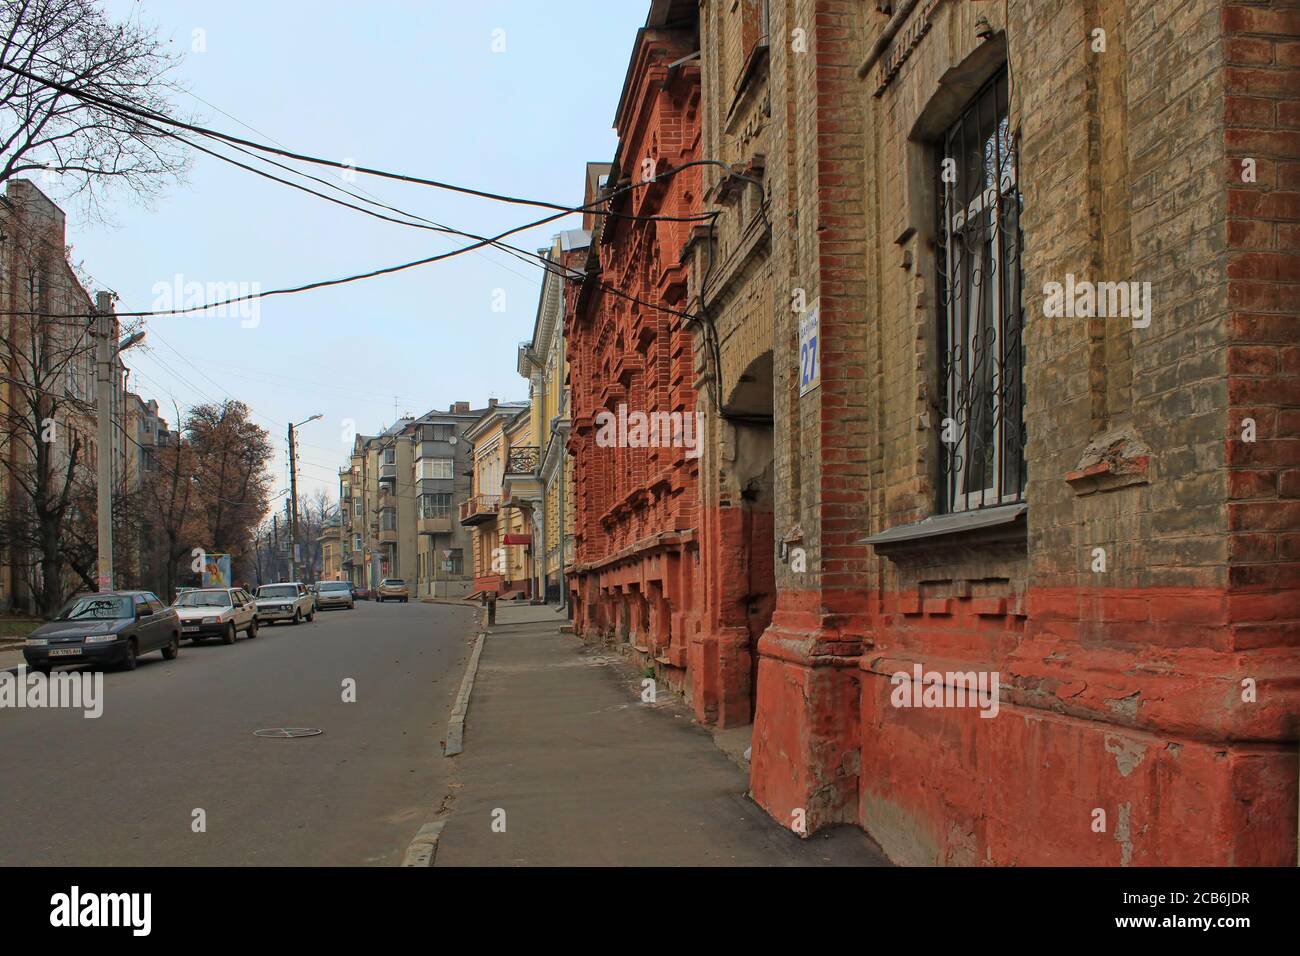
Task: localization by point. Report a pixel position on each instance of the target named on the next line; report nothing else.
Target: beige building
(331, 549)
(47, 407)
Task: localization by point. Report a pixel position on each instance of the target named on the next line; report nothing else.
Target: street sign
(810, 357)
(446, 553)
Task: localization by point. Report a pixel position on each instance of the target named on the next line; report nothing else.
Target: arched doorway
(749, 413)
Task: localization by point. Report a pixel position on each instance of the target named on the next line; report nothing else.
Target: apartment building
(330, 541)
(48, 397)
(399, 498)
(442, 463)
(381, 522)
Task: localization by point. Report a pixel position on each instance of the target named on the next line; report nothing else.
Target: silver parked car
(334, 594)
(285, 602)
(216, 612)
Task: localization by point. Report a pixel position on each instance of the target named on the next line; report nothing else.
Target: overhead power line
(136, 111)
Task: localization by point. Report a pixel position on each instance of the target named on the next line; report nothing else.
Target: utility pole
(288, 564)
(275, 545)
(104, 439)
(106, 350)
(293, 498)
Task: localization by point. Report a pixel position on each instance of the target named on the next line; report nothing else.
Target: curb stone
(456, 725)
(425, 845)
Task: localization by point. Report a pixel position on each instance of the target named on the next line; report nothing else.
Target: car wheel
(230, 635)
(252, 628)
(172, 649)
(297, 616)
(129, 661)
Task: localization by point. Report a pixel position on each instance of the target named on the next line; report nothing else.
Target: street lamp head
(132, 340)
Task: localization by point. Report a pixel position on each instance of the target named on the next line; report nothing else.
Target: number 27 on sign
(810, 360)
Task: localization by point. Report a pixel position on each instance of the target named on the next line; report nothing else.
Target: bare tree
(171, 490)
(232, 453)
(313, 511)
(46, 410)
(87, 146)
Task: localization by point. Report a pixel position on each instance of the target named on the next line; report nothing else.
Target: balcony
(524, 460)
(388, 470)
(521, 486)
(440, 525)
(479, 508)
(387, 535)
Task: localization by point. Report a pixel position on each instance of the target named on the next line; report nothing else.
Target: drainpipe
(564, 582)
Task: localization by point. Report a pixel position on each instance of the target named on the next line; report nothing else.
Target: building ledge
(937, 529)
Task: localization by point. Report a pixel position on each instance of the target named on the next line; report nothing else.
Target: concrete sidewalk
(559, 745)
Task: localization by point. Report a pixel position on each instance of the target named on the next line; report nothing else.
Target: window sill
(983, 525)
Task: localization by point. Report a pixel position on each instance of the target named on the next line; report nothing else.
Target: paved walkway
(586, 774)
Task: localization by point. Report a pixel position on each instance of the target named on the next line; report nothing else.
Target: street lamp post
(293, 498)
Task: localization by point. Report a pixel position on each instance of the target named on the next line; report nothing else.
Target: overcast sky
(412, 87)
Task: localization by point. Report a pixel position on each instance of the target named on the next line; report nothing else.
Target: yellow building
(497, 511)
(543, 362)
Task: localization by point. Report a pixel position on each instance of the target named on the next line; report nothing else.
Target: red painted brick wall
(635, 568)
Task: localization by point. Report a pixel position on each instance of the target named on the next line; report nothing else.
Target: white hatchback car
(216, 612)
(285, 602)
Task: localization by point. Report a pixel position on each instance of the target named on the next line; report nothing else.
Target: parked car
(290, 601)
(108, 627)
(392, 589)
(334, 594)
(361, 594)
(217, 612)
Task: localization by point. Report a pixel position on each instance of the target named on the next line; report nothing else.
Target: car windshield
(96, 607)
(204, 599)
(394, 583)
(336, 586)
(277, 591)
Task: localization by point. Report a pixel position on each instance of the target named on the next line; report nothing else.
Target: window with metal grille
(981, 355)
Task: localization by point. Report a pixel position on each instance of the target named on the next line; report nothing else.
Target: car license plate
(65, 652)
(190, 630)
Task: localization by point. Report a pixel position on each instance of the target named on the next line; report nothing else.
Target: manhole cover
(287, 732)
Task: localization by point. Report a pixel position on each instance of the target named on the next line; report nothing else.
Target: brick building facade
(636, 563)
(1095, 502)
(732, 292)
(993, 336)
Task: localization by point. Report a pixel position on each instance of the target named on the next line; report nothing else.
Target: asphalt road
(176, 736)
